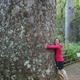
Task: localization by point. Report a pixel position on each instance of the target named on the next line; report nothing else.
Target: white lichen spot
(22, 31)
(39, 70)
(13, 77)
(15, 58)
(28, 66)
(10, 32)
(48, 71)
(2, 11)
(34, 69)
(43, 75)
(27, 62)
(11, 44)
(40, 61)
(7, 39)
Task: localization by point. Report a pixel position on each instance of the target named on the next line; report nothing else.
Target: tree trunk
(68, 17)
(25, 25)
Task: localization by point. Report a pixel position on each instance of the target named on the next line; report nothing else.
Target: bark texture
(25, 25)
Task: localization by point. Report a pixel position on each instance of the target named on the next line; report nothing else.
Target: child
(57, 47)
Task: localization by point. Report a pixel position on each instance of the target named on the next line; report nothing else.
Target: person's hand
(45, 46)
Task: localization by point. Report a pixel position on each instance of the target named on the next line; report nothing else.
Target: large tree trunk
(25, 25)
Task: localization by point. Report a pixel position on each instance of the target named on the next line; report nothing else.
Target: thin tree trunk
(68, 17)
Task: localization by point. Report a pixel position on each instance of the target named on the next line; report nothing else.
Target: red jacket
(58, 47)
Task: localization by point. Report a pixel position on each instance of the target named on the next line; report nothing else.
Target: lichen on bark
(25, 25)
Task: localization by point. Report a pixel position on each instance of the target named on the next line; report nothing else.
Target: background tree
(25, 25)
(68, 17)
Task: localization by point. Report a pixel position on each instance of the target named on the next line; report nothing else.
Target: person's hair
(55, 40)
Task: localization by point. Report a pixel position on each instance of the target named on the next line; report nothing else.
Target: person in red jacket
(57, 47)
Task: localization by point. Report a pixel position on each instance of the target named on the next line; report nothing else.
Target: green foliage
(60, 19)
(70, 50)
(75, 29)
(75, 20)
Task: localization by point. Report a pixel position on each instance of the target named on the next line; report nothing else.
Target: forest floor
(73, 71)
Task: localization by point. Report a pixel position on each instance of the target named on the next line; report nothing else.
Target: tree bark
(68, 17)
(26, 25)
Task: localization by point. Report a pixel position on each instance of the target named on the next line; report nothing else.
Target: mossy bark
(25, 25)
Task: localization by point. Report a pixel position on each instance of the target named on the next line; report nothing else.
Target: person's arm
(53, 46)
(48, 46)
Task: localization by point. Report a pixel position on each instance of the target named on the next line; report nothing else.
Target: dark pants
(60, 64)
